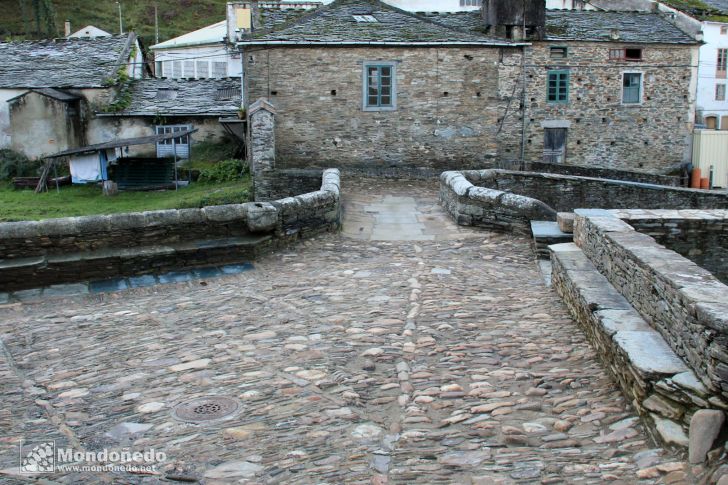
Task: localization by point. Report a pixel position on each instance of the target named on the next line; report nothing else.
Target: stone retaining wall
(77, 248)
(507, 200)
(685, 303)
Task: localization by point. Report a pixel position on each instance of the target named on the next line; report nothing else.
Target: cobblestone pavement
(442, 359)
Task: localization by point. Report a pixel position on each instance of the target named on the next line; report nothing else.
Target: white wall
(706, 103)
(205, 54)
(5, 95)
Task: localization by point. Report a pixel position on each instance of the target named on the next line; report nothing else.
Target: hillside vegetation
(32, 19)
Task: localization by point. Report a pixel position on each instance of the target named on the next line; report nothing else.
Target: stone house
(159, 106)
(368, 87)
(49, 90)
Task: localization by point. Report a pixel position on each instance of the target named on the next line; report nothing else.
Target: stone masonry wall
(700, 236)
(602, 173)
(682, 301)
(38, 253)
(450, 105)
(651, 136)
(565, 193)
(471, 205)
(508, 200)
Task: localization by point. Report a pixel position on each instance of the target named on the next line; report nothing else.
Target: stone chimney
(508, 18)
(67, 28)
(243, 18)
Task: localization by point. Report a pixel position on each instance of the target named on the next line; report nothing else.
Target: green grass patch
(83, 200)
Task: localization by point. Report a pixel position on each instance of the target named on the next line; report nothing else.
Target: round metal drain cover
(206, 409)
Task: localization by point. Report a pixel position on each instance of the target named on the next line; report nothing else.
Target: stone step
(26, 273)
(546, 233)
(634, 353)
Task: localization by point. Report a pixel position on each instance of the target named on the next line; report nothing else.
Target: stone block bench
(68, 250)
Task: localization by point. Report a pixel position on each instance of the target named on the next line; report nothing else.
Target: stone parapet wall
(507, 200)
(698, 235)
(288, 183)
(471, 205)
(602, 173)
(564, 193)
(685, 303)
(38, 253)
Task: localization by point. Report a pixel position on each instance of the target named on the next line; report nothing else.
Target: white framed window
(724, 30)
(219, 69)
(189, 69)
(203, 69)
(471, 3)
(176, 69)
(632, 87)
(720, 92)
(380, 86)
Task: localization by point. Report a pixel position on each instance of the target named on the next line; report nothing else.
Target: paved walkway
(438, 358)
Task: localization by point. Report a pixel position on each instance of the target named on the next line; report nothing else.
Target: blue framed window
(632, 88)
(379, 86)
(558, 87)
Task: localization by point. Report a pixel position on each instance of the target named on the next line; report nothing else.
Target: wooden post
(174, 151)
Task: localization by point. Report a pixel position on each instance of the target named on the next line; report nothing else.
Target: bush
(14, 164)
(225, 171)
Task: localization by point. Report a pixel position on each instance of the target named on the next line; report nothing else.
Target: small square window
(723, 30)
(558, 53)
(633, 54)
(628, 54)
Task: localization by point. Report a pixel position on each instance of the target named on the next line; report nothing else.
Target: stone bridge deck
(405, 349)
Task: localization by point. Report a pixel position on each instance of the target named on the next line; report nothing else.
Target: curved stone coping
(252, 216)
(481, 206)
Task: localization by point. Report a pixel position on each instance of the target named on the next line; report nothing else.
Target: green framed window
(558, 86)
(379, 86)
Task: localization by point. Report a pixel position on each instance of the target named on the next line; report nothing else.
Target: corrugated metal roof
(124, 142)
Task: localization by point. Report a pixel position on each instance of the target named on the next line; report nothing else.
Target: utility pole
(156, 24)
(121, 23)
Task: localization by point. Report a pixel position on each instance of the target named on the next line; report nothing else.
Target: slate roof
(63, 63)
(183, 97)
(637, 27)
(335, 24)
(124, 142)
(582, 25)
(56, 94)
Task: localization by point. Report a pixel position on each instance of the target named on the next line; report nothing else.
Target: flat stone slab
(613, 321)
(649, 353)
(548, 230)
